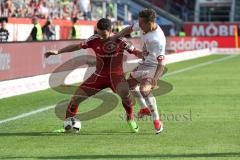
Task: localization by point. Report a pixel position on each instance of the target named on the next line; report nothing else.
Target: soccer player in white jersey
(143, 79)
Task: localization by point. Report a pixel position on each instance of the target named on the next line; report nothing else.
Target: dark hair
(3, 19)
(104, 24)
(74, 19)
(149, 15)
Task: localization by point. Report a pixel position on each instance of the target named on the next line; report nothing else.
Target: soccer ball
(72, 124)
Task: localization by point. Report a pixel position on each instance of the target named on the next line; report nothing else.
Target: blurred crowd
(54, 9)
(183, 9)
(75, 10)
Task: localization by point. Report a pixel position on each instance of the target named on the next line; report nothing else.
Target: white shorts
(143, 72)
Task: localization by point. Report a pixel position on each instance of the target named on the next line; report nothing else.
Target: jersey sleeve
(89, 42)
(158, 50)
(126, 45)
(84, 45)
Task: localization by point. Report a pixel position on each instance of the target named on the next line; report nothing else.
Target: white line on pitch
(27, 114)
(168, 74)
(199, 65)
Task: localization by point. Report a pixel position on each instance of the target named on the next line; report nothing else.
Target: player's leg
(144, 110)
(81, 94)
(134, 83)
(72, 109)
(90, 87)
(151, 101)
(145, 89)
(121, 87)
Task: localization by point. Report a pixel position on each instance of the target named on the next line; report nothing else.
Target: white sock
(151, 102)
(141, 101)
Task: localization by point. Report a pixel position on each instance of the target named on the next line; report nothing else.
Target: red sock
(128, 106)
(71, 110)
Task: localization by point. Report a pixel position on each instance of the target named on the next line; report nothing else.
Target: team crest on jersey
(109, 47)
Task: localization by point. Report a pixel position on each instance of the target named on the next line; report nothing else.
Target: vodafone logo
(192, 44)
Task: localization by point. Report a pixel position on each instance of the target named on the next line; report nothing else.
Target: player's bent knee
(145, 93)
(124, 93)
(145, 87)
(123, 90)
(132, 83)
(145, 90)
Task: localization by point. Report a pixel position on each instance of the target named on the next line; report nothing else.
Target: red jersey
(109, 54)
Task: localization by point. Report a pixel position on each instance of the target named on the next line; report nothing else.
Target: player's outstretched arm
(70, 48)
(159, 71)
(122, 33)
(128, 46)
(139, 53)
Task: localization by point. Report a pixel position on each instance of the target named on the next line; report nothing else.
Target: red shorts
(96, 83)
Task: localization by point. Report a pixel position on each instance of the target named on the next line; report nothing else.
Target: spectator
(48, 29)
(110, 9)
(7, 9)
(66, 12)
(58, 9)
(34, 5)
(36, 33)
(98, 12)
(118, 26)
(85, 7)
(111, 18)
(172, 31)
(75, 32)
(43, 10)
(182, 33)
(64, 2)
(4, 34)
(75, 12)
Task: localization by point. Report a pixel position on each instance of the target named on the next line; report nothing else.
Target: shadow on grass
(140, 156)
(105, 133)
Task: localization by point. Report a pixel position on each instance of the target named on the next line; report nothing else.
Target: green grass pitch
(201, 116)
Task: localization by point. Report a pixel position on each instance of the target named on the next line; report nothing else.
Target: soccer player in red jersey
(109, 70)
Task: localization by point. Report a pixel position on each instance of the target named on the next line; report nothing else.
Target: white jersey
(154, 43)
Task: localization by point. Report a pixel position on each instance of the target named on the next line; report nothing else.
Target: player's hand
(51, 52)
(140, 54)
(145, 53)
